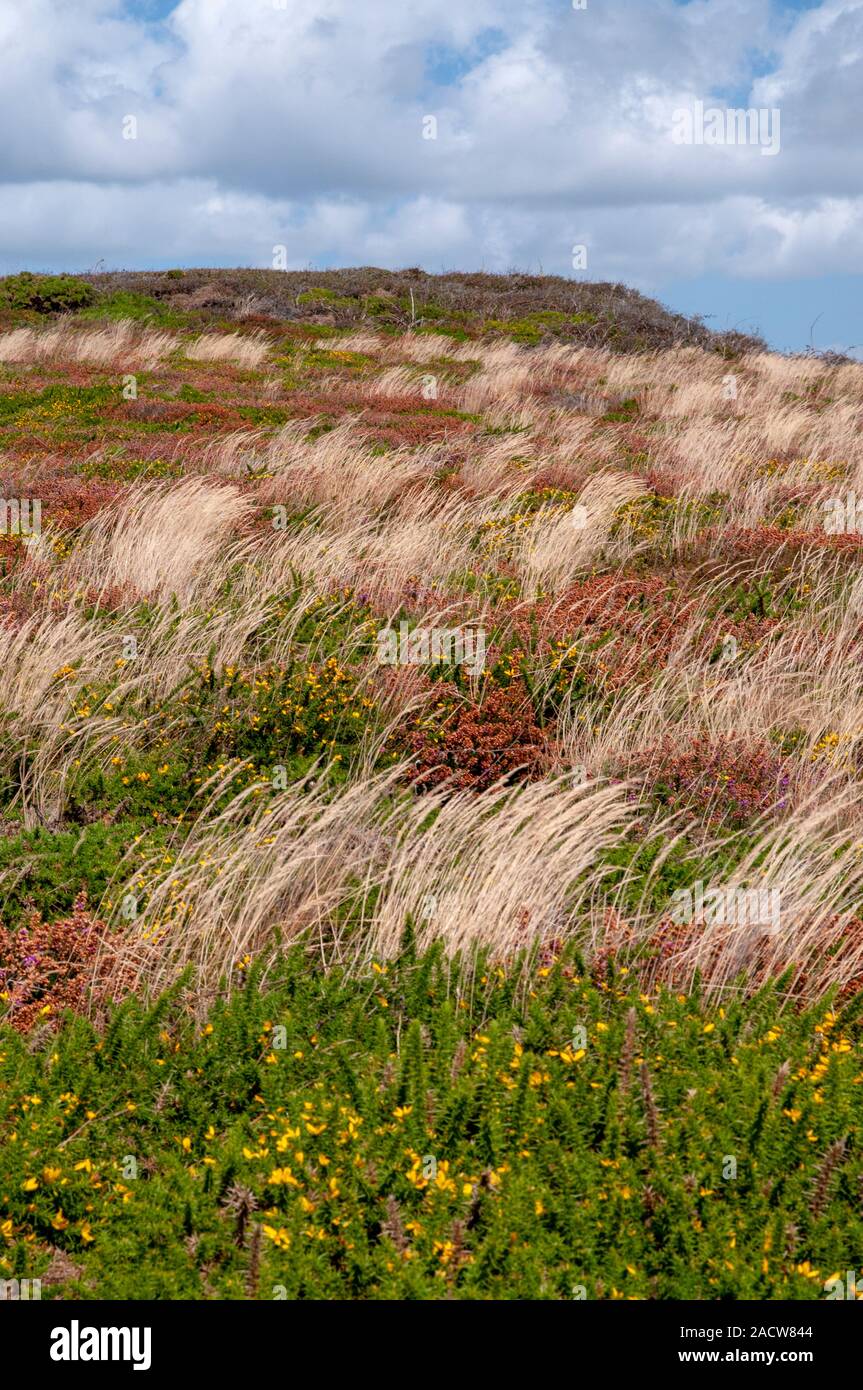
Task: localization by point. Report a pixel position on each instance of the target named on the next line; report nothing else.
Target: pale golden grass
(508, 871)
(45, 663)
(559, 545)
(415, 347)
(496, 467)
(340, 473)
(515, 870)
(163, 541)
(501, 869)
(239, 350)
(817, 869)
(368, 344)
(420, 542)
(48, 718)
(26, 345)
(239, 454)
(804, 678)
(505, 386)
(240, 876)
(396, 381)
(791, 422)
(123, 342)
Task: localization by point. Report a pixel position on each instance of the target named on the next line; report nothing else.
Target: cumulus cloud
(257, 125)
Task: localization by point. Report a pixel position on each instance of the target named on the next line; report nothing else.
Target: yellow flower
(279, 1236)
(282, 1177)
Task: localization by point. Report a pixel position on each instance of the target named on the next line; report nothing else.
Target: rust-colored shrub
(726, 781)
(641, 617)
(481, 743)
(46, 967)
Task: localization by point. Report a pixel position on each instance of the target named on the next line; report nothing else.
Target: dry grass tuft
(241, 351)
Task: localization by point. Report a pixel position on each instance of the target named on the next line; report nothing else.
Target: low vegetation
(407, 1133)
(430, 769)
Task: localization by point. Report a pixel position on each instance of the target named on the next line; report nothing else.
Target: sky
(498, 135)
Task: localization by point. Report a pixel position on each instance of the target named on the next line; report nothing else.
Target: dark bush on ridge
(46, 294)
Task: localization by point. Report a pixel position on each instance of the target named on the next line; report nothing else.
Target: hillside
(527, 308)
(430, 770)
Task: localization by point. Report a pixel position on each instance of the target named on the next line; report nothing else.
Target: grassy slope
(555, 1169)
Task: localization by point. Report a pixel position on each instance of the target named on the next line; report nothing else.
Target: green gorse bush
(424, 1131)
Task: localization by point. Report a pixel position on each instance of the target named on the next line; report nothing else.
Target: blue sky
(150, 9)
(258, 127)
(821, 312)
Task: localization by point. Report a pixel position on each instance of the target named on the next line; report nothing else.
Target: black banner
(83, 1340)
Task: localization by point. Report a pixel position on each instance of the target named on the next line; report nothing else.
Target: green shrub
(46, 294)
(530, 330)
(46, 870)
(128, 304)
(325, 299)
(415, 1132)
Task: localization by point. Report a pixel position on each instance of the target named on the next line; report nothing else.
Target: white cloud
(257, 125)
